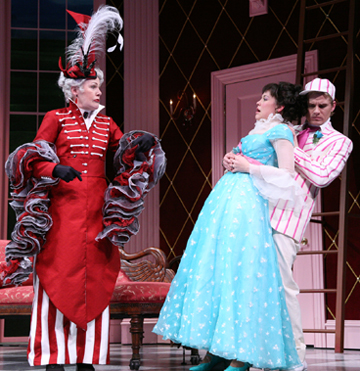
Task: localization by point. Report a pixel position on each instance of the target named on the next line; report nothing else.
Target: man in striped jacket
(320, 157)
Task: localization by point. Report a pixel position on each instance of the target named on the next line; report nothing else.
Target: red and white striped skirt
(56, 340)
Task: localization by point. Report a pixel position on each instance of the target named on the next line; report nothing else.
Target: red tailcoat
(77, 272)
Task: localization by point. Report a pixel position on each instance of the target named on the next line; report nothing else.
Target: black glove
(144, 142)
(66, 173)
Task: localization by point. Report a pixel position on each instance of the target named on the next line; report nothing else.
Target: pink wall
(141, 98)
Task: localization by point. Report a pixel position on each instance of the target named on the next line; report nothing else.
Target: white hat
(320, 85)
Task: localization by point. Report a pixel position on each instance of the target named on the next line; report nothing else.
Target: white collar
(321, 127)
(325, 124)
(83, 111)
(263, 125)
(92, 114)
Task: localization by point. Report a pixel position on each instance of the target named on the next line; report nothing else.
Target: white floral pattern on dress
(232, 302)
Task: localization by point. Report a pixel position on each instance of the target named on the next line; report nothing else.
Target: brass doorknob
(304, 241)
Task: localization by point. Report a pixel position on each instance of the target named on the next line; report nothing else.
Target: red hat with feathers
(90, 41)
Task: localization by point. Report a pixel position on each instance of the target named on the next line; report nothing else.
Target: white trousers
(287, 249)
(56, 340)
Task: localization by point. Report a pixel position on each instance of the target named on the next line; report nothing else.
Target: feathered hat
(90, 40)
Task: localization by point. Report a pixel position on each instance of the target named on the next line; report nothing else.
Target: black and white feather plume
(92, 32)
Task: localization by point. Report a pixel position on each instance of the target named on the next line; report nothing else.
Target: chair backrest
(154, 270)
(3, 243)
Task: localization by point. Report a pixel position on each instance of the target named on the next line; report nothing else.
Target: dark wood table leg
(137, 331)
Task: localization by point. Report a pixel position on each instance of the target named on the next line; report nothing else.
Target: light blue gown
(227, 296)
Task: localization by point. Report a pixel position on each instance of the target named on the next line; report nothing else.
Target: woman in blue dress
(227, 295)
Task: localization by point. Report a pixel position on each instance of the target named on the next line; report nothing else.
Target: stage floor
(164, 357)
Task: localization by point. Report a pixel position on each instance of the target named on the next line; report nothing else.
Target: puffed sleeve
(278, 183)
(30, 202)
(322, 170)
(124, 198)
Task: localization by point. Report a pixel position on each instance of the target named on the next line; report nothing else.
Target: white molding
(10, 339)
(352, 334)
(115, 331)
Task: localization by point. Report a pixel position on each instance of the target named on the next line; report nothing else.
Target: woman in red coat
(59, 182)
(75, 273)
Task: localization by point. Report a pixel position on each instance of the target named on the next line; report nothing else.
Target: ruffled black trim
(124, 198)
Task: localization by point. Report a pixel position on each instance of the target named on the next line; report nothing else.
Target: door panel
(241, 98)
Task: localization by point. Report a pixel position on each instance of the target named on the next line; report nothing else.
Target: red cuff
(43, 169)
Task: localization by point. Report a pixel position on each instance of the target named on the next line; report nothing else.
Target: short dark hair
(287, 95)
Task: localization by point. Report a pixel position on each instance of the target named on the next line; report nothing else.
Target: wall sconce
(185, 110)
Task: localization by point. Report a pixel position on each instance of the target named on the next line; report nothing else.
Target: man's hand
(66, 173)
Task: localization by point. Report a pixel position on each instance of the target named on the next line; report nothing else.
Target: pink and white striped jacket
(316, 165)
